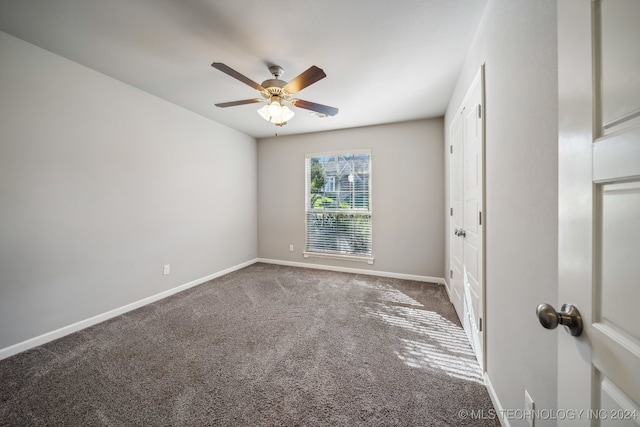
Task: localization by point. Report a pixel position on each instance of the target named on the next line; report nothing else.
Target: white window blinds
(338, 204)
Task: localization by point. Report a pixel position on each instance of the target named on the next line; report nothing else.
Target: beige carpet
(264, 346)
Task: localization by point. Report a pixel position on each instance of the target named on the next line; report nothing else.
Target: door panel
(620, 33)
(599, 207)
(472, 263)
(619, 235)
(615, 408)
(471, 214)
(471, 166)
(616, 318)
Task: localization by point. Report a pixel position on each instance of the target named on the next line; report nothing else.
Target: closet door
(472, 232)
(466, 243)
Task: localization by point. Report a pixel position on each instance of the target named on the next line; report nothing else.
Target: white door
(466, 233)
(472, 229)
(599, 208)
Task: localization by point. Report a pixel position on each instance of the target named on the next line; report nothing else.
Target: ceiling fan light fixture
(285, 114)
(275, 108)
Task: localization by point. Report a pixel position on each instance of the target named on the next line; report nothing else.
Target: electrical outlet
(529, 409)
(167, 269)
(290, 247)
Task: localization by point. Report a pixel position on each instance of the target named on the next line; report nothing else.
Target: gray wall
(100, 186)
(517, 42)
(407, 195)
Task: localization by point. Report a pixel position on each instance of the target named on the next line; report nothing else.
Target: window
(338, 205)
(330, 183)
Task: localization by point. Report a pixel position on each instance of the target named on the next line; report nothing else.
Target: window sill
(368, 260)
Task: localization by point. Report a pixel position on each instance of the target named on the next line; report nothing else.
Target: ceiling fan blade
(309, 77)
(243, 102)
(318, 108)
(236, 75)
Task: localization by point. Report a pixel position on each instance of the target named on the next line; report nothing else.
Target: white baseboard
(504, 422)
(438, 280)
(446, 287)
(66, 330)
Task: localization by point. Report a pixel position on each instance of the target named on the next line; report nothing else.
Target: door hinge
(480, 217)
(479, 111)
(451, 211)
(450, 274)
(480, 324)
(451, 149)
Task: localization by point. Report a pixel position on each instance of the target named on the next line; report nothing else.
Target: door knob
(569, 316)
(459, 232)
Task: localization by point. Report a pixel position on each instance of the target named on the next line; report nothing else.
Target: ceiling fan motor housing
(273, 87)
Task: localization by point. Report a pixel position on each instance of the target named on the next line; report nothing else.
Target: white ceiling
(386, 61)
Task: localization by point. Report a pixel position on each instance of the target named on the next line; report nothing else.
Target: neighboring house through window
(330, 184)
(338, 205)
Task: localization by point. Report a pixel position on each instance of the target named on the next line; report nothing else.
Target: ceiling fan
(278, 93)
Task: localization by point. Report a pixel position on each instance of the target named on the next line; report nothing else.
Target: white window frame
(354, 257)
(330, 184)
